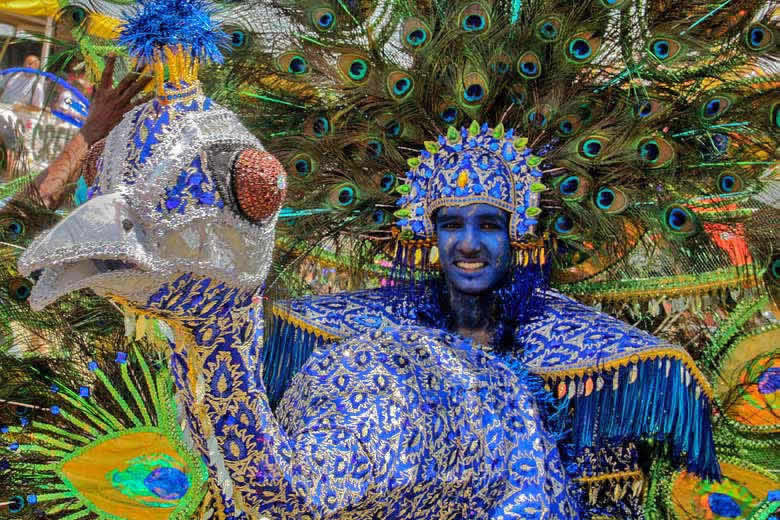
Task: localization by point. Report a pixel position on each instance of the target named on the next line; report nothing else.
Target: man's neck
(473, 315)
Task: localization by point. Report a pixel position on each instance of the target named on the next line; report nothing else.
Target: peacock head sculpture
(182, 187)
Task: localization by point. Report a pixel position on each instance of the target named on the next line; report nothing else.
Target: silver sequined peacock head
(178, 191)
(181, 187)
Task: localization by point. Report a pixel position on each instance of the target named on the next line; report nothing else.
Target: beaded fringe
(655, 398)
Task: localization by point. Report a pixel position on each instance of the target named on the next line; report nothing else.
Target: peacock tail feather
(655, 121)
(108, 446)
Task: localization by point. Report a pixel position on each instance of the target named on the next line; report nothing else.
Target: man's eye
(489, 225)
(450, 225)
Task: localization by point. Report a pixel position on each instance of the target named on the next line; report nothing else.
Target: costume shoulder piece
(640, 385)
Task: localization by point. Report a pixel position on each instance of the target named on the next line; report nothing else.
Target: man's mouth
(470, 265)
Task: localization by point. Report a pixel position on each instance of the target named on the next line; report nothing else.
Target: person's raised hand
(109, 104)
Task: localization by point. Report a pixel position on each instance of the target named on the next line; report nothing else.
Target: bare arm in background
(106, 110)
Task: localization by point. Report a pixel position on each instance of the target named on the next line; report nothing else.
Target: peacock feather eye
(415, 34)
(399, 85)
(78, 15)
(568, 125)
(592, 147)
(475, 88)
(380, 217)
(343, 196)
(664, 49)
(14, 228)
(19, 289)
(759, 37)
(548, 29)
(16, 504)
(647, 108)
(474, 19)
(302, 165)
(393, 129)
(354, 67)
(317, 126)
(539, 116)
(714, 107)
(72, 16)
(679, 221)
(500, 64)
(448, 113)
(529, 66)
(388, 182)
(293, 62)
(375, 148)
(323, 19)
(238, 39)
(774, 117)
(564, 226)
(574, 187)
(774, 269)
(655, 152)
(582, 47)
(519, 93)
(610, 200)
(730, 183)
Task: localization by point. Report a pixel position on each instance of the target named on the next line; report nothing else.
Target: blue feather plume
(167, 23)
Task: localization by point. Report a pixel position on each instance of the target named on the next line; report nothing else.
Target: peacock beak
(98, 240)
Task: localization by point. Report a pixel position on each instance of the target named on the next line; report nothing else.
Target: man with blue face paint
(470, 263)
(475, 257)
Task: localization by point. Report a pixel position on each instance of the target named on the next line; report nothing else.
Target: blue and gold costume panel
(621, 384)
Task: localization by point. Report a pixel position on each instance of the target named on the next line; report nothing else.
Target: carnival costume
(598, 136)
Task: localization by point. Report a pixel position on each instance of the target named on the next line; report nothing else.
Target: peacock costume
(631, 143)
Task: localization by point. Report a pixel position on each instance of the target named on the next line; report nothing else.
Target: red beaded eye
(259, 182)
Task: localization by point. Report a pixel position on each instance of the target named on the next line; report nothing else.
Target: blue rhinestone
(54, 388)
(92, 366)
(84, 391)
(121, 357)
(55, 410)
(508, 152)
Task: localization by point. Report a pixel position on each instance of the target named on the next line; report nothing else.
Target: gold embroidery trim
(635, 359)
(636, 474)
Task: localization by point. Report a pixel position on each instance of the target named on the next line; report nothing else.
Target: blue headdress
(172, 38)
(478, 165)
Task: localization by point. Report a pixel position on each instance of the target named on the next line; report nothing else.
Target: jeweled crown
(475, 165)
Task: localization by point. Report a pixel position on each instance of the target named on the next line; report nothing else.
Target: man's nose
(469, 243)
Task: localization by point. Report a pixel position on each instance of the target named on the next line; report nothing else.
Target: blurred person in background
(24, 87)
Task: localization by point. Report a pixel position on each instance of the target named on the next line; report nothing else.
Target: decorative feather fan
(656, 121)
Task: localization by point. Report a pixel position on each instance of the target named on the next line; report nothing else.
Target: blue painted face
(474, 249)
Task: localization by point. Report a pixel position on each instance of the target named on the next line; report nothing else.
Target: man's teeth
(471, 265)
